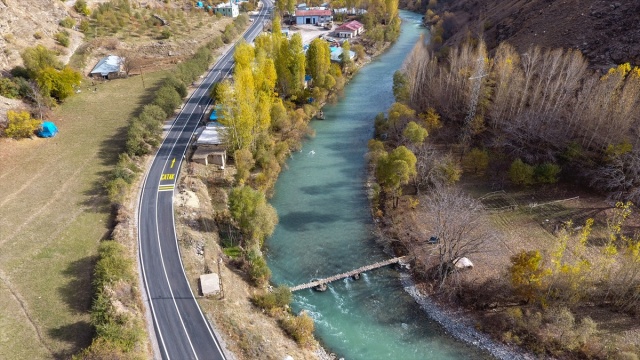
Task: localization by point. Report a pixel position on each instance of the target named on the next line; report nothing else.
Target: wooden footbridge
(351, 273)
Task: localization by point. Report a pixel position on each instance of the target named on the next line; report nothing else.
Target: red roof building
(350, 29)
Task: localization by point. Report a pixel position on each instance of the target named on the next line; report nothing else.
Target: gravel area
(460, 327)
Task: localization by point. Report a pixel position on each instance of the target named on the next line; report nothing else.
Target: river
(326, 228)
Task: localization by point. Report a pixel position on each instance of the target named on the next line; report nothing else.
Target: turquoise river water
(326, 228)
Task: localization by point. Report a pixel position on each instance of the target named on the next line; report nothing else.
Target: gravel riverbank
(460, 327)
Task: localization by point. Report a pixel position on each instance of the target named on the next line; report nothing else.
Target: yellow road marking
(173, 162)
(167, 177)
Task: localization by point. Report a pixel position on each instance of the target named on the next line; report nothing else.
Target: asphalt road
(182, 330)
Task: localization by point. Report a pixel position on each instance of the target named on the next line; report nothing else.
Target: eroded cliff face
(606, 31)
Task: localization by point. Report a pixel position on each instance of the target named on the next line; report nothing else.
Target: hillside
(605, 31)
(20, 20)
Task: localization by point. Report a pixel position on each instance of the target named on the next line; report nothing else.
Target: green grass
(52, 216)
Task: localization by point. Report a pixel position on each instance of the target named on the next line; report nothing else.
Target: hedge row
(118, 330)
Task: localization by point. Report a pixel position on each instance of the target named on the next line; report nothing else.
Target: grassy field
(53, 215)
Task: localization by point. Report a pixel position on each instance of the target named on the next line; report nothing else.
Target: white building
(313, 17)
(229, 9)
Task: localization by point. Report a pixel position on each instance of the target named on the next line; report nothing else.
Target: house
(313, 17)
(229, 9)
(109, 67)
(350, 29)
(210, 145)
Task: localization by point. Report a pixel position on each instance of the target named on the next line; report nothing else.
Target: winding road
(182, 330)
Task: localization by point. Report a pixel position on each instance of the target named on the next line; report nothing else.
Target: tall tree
(318, 61)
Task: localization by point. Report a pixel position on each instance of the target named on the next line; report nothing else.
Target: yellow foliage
(20, 124)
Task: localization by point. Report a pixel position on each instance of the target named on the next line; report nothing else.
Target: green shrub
(38, 35)
(476, 160)
(521, 173)
(300, 328)
(278, 298)
(67, 22)
(232, 252)
(177, 84)
(62, 38)
(84, 26)
(81, 7)
(167, 98)
(547, 173)
(258, 269)
(165, 34)
(8, 88)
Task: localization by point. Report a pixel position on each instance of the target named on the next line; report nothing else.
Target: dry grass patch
(53, 215)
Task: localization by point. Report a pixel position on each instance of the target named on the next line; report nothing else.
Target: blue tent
(48, 130)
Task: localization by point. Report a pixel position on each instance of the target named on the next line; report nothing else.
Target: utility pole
(142, 76)
(220, 278)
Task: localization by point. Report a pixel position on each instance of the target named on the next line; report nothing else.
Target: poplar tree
(318, 61)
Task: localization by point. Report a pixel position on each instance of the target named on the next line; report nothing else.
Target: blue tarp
(214, 114)
(199, 4)
(48, 130)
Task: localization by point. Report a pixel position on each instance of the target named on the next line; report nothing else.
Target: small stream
(326, 228)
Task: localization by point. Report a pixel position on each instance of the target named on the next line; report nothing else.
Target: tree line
(531, 118)
(542, 106)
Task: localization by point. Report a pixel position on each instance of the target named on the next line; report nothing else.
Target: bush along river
(326, 228)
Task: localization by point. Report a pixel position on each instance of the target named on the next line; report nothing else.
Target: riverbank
(250, 332)
(460, 325)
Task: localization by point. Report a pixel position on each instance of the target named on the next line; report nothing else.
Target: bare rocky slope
(605, 31)
(20, 20)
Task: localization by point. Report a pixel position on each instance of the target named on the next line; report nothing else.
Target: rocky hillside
(605, 31)
(19, 22)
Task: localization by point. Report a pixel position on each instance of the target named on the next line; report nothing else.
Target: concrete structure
(313, 17)
(350, 29)
(229, 9)
(210, 146)
(210, 284)
(109, 67)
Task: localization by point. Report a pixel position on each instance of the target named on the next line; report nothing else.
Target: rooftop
(351, 26)
(313, 12)
(212, 134)
(108, 64)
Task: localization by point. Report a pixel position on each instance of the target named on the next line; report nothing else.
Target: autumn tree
(38, 58)
(395, 169)
(415, 133)
(345, 58)
(20, 124)
(521, 173)
(318, 61)
(254, 216)
(476, 160)
(58, 84)
(401, 90)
